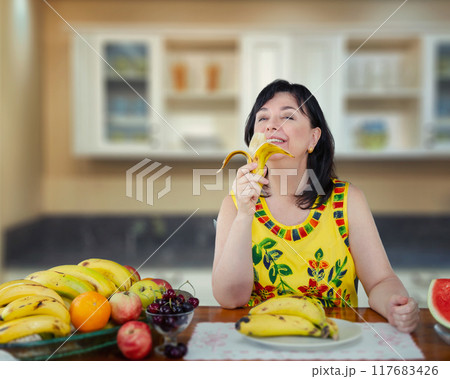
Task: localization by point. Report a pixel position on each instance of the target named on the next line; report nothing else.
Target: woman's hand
(247, 188)
(403, 313)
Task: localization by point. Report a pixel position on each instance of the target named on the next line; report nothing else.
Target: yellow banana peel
(259, 151)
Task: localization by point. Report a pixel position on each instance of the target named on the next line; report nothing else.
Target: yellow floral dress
(312, 258)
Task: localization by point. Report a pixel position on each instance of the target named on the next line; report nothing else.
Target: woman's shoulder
(355, 194)
(357, 206)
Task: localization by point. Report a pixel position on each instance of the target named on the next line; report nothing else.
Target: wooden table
(432, 346)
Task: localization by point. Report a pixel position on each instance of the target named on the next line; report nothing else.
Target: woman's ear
(316, 133)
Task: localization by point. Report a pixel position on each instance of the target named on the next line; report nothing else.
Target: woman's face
(284, 125)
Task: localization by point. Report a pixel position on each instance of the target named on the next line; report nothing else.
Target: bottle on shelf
(179, 74)
(212, 77)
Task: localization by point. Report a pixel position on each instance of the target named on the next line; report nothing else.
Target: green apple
(147, 290)
(162, 283)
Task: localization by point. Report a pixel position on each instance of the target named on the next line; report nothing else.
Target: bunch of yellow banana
(40, 302)
(64, 284)
(28, 307)
(259, 151)
(98, 281)
(118, 274)
(35, 305)
(17, 289)
(288, 315)
(26, 326)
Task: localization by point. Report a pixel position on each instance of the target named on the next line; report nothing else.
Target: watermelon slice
(439, 301)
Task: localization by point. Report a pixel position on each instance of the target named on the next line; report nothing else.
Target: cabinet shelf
(411, 154)
(383, 93)
(124, 121)
(203, 95)
(113, 77)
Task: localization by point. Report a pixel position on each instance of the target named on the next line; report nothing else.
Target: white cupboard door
(117, 95)
(84, 84)
(317, 67)
(264, 59)
(436, 119)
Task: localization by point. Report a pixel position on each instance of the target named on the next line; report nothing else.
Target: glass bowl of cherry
(169, 316)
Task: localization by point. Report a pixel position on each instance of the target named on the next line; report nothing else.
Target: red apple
(134, 340)
(162, 283)
(125, 306)
(134, 272)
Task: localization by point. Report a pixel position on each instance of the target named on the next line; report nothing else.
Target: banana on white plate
(288, 315)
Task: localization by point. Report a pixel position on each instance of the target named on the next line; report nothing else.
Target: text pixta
(324, 371)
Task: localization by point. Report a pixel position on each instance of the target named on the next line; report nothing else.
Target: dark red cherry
(194, 301)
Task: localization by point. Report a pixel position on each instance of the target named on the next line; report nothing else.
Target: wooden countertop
(432, 346)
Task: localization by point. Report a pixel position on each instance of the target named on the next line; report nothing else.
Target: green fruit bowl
(62, 347)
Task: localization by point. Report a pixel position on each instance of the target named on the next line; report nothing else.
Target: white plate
(348, 331)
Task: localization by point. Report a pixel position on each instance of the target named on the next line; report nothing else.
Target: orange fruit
(90, 311)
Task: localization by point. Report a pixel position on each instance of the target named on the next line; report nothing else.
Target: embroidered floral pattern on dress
(326, 292)
(338, 206)
(289, 234)
(312, 289)
(266, 253)
(261, 293)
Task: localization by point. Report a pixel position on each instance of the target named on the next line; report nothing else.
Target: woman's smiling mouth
(276, 141)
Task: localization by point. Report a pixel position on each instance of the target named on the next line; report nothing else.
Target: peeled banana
(64, 284)
(26, 326)
(259, 151)
(270, 325)
(35, 305)
(118, 274)
(294, 305)
(101, 284)
(13, 292)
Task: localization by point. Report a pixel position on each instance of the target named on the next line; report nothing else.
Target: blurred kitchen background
(92, 87)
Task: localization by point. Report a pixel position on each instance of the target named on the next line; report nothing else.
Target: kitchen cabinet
(178, 94)
(201, 93)
(168, 95)
(436, 133)
(382, 97)
(116, 81)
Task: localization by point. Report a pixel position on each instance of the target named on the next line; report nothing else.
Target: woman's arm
(386, 293)
(232, 276)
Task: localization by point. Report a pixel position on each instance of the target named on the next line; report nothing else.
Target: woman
(278, 234)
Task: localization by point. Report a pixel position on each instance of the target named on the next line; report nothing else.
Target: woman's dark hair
(321, 160)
